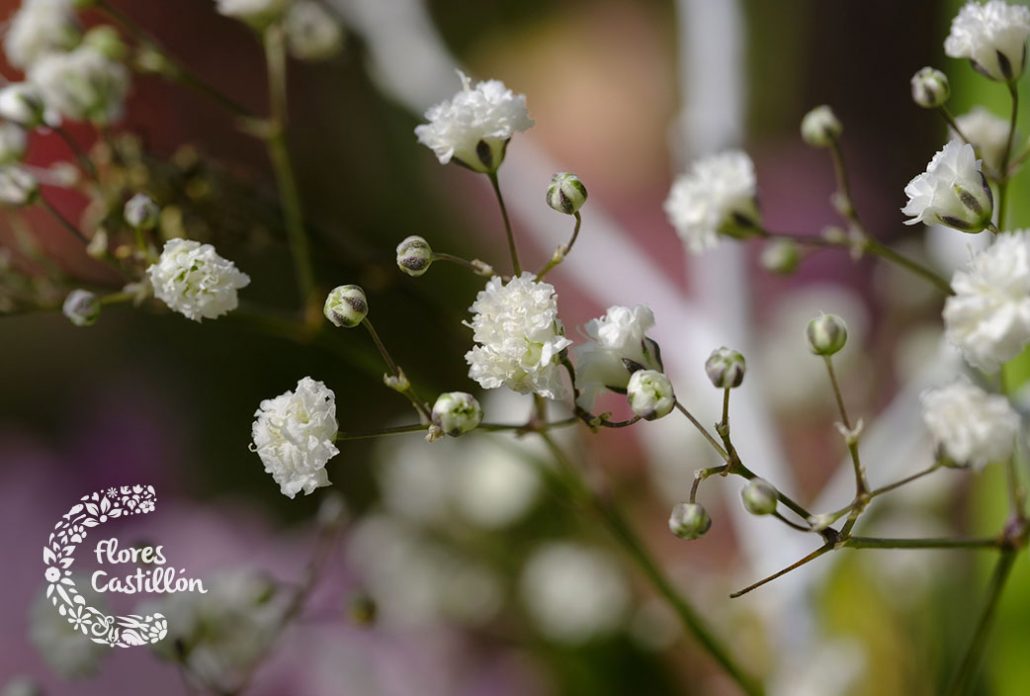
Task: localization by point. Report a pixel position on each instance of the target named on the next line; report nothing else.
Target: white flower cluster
(192, 279)
(992, 36)
(952, 191)
(294, 433)
(969, 425)
(520, 337)
(621, 334)
(39, 28)
(716, 197)
(82, 85)
(475, 125)
(988, 317)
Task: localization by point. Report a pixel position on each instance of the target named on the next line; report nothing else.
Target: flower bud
(457, 413)
(311, 32)
(930, 88)
(820, 127)
(13, 143)
(332, 512)
(17, 186)
(106, 40)
(650, 394)
(81, 307)
(566, 193)
(414, 256)
(346, 306)
(689, 520)
(141, 212)
(827, 334)
(759, 497)
(780, 256)
(23, 104)
(725, 368)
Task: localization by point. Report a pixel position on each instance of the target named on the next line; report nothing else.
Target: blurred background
(484, 580)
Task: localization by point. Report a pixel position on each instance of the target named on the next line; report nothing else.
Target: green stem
(1003, 183)
(780, 573)
(857, 542)
(479, 268)
(516, 266)
(877, 248)
(704, 431)
(562, 251)
(275, 54)
(64, 222)
(84, 161)
(396, 371)
(861, 486)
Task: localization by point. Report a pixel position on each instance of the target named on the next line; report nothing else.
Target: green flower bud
(725, 368)
(650, 394)
(780, 256)
(689, 520)
(414, 256)
(827, 334)
(141, 212)
(566, 193)
(346, 306)
(457, 413)
(81, 307)
(820, 127)
(759, 497)
(930, 88)
(106, 40)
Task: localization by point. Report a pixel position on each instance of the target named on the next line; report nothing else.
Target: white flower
(311, 32)
(22, 103)
(83, 85)
(993, 36)
(81, 307)
(820, 127)
(716, 197)
(192, 279)
(952, 191)
(620, 334)
(293, 434)
(17, 186)
(969, 425)
(573, 592)
(474, 127)
(987, 133)
(988, 317)
(256, 12)
(13, 143)
(520, 337)
(650, 394)
(38, 28)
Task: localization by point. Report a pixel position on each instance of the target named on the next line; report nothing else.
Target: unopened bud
(725, 367)
(689, 520)
(81, 307)
(781, 256)
(566, 193)
(482, 268)
(23, 104)
(820, 127)
(346, 306)
(414, 256)
(398, 382)
(457, 413)
(650, 394)
(141, 212)
(311, 32)
(827, 334)
(759, 497)
(930, 88)
(106, 41)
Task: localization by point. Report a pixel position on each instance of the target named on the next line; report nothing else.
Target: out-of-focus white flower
(987, 133)
(21, 686)
(992, 36)
(38, 28)
(952, 191)
(820, 127)
(17, 186)
(621, 334)
(192, 279)
(81, 307)
(82, 85)
(930, 88)
(474, 126)
(13, 143)
(64, 649)
(22, 103)
(224, 631)
(255, 12)
(988, 317)
(716, 197)
(971, 426)
(294, 433)
(311, 32)
(520, 337)
(141, 212)
(650, 394)
(573, 593)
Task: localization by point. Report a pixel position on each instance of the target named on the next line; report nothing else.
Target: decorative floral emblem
(58, 555)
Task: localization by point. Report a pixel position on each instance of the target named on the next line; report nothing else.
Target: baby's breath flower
(22, 103)
(473, 127)
(141, 212)
(346, 306)
(988, 317)
(650, 394)
(992, 36)
(39, 28)
(780, 256)
(820, 127)
(826, 334)
(717, 197)
(17, 186)
(193, 280)
(520, 337)
(725, 368)
(457, 413)
(930, 88)
(969, 425)
(81, 307)
(689, 520)
(566, 193)
(952, 191)
(294, 433)
(414, 256)
(82, 85)
(621, 334)
(311, 32)
(759, 497)
(988, 133)
(13, 143)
